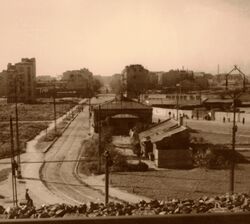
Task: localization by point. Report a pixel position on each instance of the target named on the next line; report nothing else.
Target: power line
(54, 161)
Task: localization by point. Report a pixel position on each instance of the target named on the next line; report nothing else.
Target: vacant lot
(33, 118)
(34, 112)
(27, 131)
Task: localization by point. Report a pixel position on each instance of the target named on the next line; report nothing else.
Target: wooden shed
(171, 144)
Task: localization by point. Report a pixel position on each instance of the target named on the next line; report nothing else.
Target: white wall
(163, 114)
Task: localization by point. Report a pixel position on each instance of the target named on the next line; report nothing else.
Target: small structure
(122, 114)
(171, 144)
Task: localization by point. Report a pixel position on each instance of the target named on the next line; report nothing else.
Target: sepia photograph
(125, 111)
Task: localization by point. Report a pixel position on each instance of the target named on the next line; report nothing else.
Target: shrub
(139, 167)
(213, 158)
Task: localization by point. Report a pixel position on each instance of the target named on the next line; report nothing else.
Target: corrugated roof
(162, 130)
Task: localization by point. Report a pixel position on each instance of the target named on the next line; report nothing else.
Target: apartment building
(21, 81)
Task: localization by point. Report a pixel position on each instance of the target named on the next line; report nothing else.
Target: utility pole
(19, 175)
(107, 177)
(14, 165)
(54, 102)
(234, 130)
(100, 139)
(108, 164)
(89, 102)
(235, 96)
(177, 101)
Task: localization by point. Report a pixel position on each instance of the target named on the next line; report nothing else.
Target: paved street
(60, 177)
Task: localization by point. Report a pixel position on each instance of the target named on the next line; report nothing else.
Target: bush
(120, 163)
(216, 157)
(139, 167)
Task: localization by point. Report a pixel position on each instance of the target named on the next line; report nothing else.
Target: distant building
(231, 80)
(159, 77)
(172, 77)
(78, 79)
(153, 80)
(21, 81)
(45, 78)
(116, 83)
(3, 83)
(135, 79)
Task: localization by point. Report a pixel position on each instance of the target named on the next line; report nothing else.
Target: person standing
(28, 199)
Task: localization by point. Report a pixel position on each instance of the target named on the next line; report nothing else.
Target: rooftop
(162, 130)
(124, 103)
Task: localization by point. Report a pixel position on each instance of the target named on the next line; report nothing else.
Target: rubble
(223, 203)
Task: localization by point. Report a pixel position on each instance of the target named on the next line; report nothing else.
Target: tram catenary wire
(55, 161)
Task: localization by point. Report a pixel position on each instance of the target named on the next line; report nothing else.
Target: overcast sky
(106, 35)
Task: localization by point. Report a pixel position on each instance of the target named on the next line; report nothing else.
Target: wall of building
(179, 158)
(160, 114)
(78, 79)
(3, 83)
(137, 80)
(22, 77)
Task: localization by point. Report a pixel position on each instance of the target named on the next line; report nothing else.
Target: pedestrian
(148, 148)
(224, 119)
(243, 120)
(29, 201)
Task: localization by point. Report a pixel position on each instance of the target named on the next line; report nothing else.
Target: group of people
(141, 148)
(228, 119)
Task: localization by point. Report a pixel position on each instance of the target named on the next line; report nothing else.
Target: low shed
(171, 144)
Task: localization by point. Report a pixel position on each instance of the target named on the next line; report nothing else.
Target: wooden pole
(100, 139)
(106, 177)
(19, 175)
(13, 165)
(234, 130)
(54, 103)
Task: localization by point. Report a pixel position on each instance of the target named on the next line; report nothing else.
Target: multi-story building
(21, 81)
(3, 83)
(135, 79)
(172, 77)
(78, 79)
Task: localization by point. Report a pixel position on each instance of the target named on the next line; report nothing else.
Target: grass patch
(27, 131)
(45, 140)
(4, 173)
(182, 184)
(119, 161)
